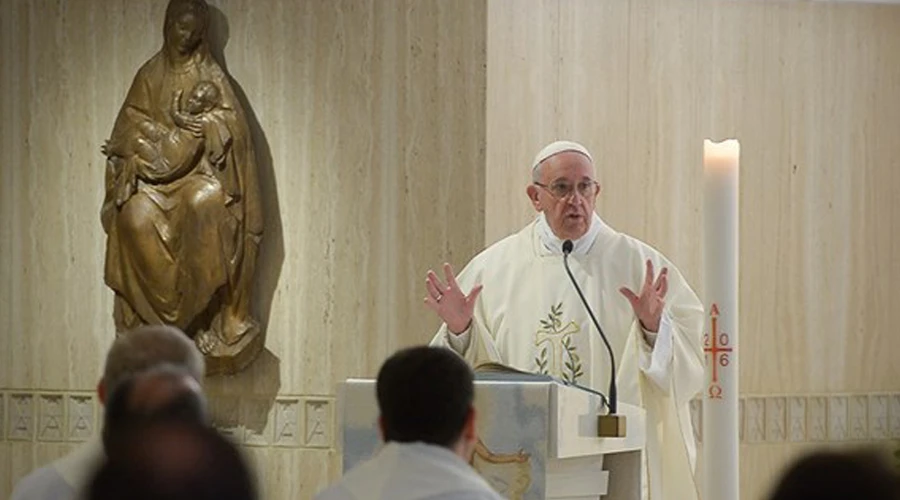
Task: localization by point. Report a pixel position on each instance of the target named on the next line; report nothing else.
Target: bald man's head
(175, 461)
(159, 394)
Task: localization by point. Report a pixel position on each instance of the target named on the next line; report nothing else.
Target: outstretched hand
(449, 301)
(649, 303)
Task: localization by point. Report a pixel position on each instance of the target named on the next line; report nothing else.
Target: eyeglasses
(563, 189)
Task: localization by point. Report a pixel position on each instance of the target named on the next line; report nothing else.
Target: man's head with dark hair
(164, 393)
(827, 475)
(175, 460)
(425, 394)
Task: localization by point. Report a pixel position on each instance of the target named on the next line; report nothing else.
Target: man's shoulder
(512, 245)
(473, 494)
(43, 483)
(628, 244)
(348, 486)
(336, 491)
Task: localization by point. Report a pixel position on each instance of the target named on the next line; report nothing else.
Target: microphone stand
(611, 424)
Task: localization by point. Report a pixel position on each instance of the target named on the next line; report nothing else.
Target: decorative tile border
(319, 422)
(796, 419)
(290, 421)
(813, 418)
(51, 425)
(287, 422)
(894, 412)
(816, 418)
(20, 417)
(47, 416)
(878, 416)
(81, 411)
(754, 420)
(309, 421)
(776, 419)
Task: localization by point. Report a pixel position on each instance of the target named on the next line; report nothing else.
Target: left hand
(648, 305)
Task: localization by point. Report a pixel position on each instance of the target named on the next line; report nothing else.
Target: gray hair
(536, 172)
(150, 346)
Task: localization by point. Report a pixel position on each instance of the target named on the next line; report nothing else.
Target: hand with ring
(448, 300)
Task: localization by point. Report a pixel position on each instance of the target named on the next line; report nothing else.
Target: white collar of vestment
(551, 244)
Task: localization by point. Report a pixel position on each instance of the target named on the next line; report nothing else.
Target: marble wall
(811, 90)
(394, 135)
(369, 119)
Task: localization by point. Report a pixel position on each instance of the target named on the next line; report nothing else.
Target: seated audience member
(172, 458)
(134, 352)
(427, 422)
(159, 444)
(836, 475)
(164, 393)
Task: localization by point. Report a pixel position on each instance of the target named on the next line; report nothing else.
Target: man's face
(567, 193)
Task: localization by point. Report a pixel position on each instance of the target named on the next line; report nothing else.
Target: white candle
(720, 336)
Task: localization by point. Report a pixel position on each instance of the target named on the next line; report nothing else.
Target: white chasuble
(530, 317)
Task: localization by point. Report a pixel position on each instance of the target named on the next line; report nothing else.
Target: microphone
(608, 425)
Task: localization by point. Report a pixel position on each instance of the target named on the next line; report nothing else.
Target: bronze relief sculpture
(182, 210)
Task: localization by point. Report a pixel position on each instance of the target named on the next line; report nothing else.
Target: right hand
(449, 302)
(193, 126)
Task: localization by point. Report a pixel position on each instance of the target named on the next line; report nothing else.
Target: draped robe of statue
(529, 316)
(182, 244)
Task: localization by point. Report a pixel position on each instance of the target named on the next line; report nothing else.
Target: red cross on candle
(715, 344)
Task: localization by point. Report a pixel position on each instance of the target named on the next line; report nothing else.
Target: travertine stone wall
(369, 120)
(394, 135)
(812, 90)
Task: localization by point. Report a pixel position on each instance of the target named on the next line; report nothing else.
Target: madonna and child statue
(182, 210)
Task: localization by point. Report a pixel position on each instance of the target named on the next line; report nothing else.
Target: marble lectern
(537, 438)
